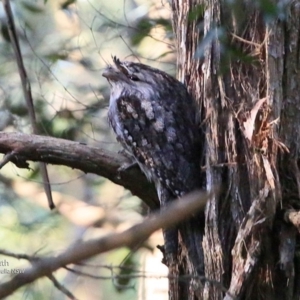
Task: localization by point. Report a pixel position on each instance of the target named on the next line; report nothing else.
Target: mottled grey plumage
(154, 119)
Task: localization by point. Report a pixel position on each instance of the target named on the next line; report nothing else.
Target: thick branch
(80, 251)
(78, 156)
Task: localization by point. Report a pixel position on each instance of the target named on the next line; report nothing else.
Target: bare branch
(96, 160)
(181, 208)
(27, 92)
(15, 255)
(61, 288)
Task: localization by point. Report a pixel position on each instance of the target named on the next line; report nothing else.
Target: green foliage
(272, 10)
(144, 27)
(126, 272)
(197, 12)
(66, 3)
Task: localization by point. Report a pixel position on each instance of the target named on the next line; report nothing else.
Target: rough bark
(250, 114)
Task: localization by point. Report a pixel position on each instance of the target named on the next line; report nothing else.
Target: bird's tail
(191, 232)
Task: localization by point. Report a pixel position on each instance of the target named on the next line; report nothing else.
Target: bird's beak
(113, 74)
(109, 72)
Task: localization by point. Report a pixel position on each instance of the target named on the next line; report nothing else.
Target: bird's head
(136, 76)
(130, 73)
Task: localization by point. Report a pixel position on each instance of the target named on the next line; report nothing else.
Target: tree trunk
(240, 61)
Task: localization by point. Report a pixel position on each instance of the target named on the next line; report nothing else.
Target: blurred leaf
(144, 27)
(229, 52)
(125, 275)
(4, 31)
(166, 23)
(54, 57)
(234, 53)
(272, 10)
(32, 7)
(19, 109)
(197, 12)
(65, 4)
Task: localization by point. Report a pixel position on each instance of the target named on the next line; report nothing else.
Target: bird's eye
(133, 78)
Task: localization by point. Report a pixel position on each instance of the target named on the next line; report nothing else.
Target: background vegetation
(65, 46)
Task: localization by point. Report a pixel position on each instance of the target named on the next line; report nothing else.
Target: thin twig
(26, 91)
(16, 255)
(182, 209)
(61, 288)
(132, 276)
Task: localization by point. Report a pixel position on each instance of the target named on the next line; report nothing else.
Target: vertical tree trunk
(242, 66)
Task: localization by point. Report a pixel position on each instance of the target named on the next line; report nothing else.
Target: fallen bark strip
(248, 244)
